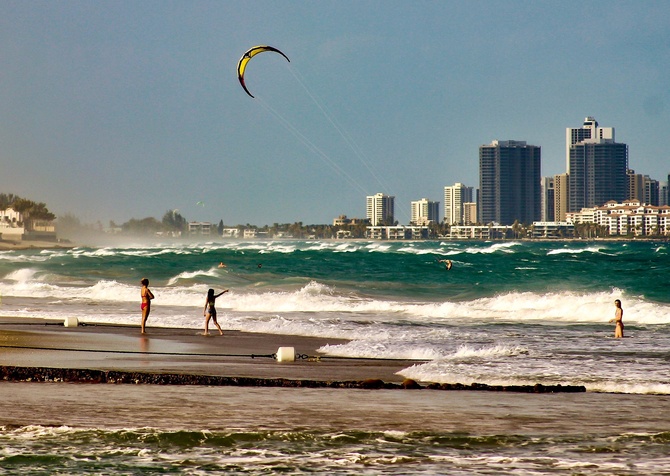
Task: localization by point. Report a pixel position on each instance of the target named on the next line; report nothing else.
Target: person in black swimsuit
(210, 310)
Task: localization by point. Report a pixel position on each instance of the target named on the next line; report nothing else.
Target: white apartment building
(454, 198)
(380, 209)
(424, 212)
(199, 228)
(629, 217)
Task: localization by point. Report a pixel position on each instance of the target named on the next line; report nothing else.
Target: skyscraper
(548, 201)
(509, 182)
(589, 130)
(454, 198)
(635, 185)
(425, 212)
(597, 166)
(380, 209)
(561, 191)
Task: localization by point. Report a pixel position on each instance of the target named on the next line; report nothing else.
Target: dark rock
(408, 383)
(372, 383)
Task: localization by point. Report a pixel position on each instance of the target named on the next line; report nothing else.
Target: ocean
(507, 313)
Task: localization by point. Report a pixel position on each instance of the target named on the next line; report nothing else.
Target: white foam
(591, 249)
(186, 275)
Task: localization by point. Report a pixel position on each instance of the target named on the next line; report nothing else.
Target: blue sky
(127, 109)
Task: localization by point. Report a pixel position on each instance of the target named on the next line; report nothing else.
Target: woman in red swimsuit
(147, 296)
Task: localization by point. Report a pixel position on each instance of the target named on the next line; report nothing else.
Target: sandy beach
(44, 343)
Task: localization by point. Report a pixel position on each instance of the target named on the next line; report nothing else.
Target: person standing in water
(147, 296)
(210, 310)
(618, 320)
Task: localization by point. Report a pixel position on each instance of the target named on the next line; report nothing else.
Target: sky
(128, 109)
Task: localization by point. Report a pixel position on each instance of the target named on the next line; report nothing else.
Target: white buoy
(286, 354)
(71, 322)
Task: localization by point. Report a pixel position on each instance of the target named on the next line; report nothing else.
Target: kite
(242, 64)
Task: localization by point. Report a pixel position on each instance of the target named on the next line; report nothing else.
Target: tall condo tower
(379, 209)
(454, 198)
(548, 199)
(589, 130)
(597, 166)
(509, 182)
(425, 212)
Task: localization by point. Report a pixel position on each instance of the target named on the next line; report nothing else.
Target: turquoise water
(507, 313)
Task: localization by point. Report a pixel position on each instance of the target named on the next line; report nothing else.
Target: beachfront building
(509, 182)
(397, 232)
(455, 197)
(597, 166)
(552, 229)
(630, 217)
(11, 224)
(380, 209)
(230, 233)
(199, 228)
(424, 212)
(479, 232)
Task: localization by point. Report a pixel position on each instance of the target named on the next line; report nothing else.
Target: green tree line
(28, 208)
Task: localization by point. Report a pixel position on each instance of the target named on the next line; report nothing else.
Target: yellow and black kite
(242, 64)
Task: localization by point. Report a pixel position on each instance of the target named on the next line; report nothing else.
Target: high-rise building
(597, 166)
(454, 198)
(548, 199)
(380, 209)
(589, 130)
(652, 191)
(425, 212)
(469, 213)
(561, 191)
(635, 186)
(509, 182)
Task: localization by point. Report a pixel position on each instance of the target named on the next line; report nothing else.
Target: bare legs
(145, 314)
(213, 318)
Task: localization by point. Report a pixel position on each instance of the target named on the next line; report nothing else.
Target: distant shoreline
(38, 245)
(7, 245)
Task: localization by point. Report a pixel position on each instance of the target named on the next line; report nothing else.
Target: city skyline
(112, 111)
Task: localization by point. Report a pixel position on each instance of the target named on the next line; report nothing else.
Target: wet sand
(43, 343)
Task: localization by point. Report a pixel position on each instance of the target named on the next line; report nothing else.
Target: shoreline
(41, 350)
(19, 245)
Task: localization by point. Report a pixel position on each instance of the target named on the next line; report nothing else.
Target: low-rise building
(11, 225)
(397, 232)
(627, 218)
(479, 232)
(200, 228)
(552, 229)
